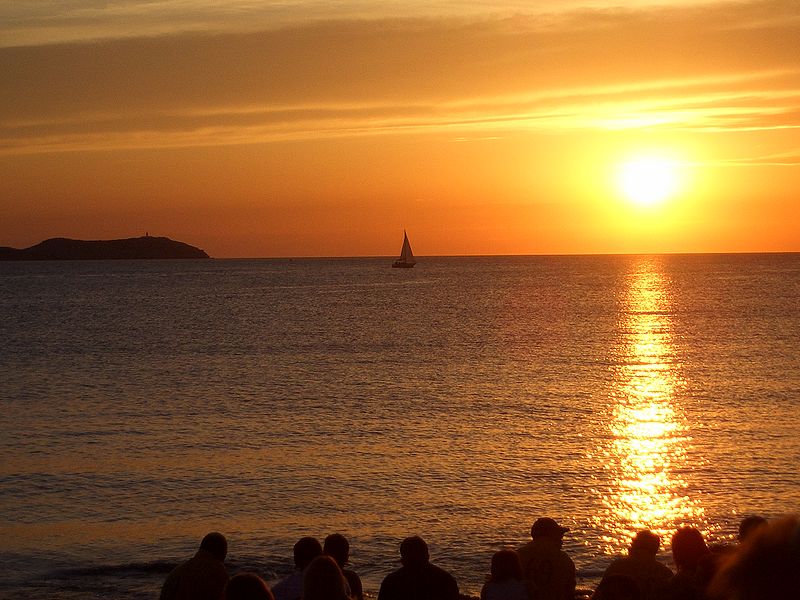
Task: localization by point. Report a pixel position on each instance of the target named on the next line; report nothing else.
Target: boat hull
(406, 258)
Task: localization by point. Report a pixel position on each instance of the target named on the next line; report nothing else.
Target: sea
(146, 403)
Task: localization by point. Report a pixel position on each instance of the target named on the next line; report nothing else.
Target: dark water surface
(146, 403)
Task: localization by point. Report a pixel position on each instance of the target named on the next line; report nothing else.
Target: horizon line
(562, 254)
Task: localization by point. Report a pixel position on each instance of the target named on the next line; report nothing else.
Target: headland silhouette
(145, 247)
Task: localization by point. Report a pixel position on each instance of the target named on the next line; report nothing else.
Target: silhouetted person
(324, 580)
(548, 569)
(418, 579)
(641, 564)
(749, 525)
(291, 588)
(690, 553)
(337, 547)
(618, 587)
(765, 566)
(202, 577)
(247, 586)
(505, 581)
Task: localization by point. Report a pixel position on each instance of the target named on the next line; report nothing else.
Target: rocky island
(145, 247)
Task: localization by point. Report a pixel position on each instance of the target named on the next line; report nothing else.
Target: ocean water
(145, 403)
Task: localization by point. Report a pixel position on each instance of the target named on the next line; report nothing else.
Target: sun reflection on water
(649, 437)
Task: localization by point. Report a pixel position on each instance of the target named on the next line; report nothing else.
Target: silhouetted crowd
(763, 565)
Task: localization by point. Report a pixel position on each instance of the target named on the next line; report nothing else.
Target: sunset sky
(320, 128)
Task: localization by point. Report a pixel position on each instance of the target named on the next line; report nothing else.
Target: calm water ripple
(146, 403)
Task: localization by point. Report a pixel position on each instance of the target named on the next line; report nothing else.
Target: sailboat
(406, 260)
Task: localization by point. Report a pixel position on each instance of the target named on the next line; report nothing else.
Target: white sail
(406, 255)
(406, 260)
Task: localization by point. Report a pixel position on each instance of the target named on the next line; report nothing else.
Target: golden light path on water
(649, 437)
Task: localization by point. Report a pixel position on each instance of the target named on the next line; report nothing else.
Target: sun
(648, 181)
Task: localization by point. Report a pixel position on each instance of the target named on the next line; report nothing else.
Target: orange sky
(324, 129)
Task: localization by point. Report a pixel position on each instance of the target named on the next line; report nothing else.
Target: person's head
(505, 566)
(765, 565)
(617, 587)
(305, 550)
(215, 544)
(688, 548)
(749, 525)
(337, 547)
(323, 580)
(546, 527)
(645, 543)
(247, 586)
(414, 551)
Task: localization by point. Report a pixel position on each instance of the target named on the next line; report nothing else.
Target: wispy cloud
(715, 112)
(37, 22)
(781, 159)
(712, 68)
